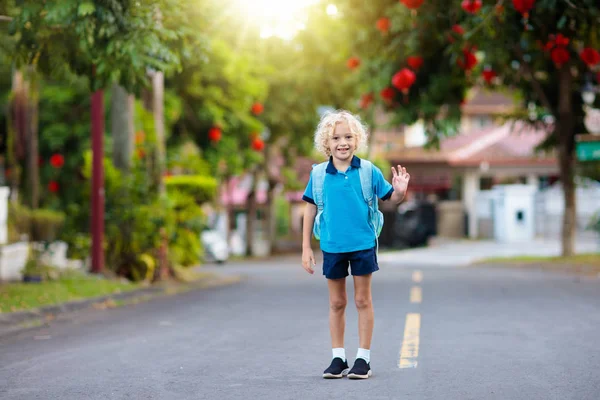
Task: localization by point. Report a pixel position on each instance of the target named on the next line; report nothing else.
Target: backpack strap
(366, 182)
(318, 181)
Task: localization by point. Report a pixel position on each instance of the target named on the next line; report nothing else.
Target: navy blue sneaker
(337, 369)
(360, 370)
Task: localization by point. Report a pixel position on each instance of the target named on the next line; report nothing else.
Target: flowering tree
(421, 56)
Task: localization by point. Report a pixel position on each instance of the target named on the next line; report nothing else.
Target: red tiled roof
(508, 143)
(513, 142)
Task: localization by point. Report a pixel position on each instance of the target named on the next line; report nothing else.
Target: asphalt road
(440, 333)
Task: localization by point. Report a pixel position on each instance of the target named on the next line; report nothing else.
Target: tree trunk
(251, 213)
(566, 150)
(17, 146)
(97, 111)
(154, 102)
(33, 172)
(270, 215)
(25, 141)
(158, 90)
(121, 112)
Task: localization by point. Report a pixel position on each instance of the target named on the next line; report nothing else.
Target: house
(486, 152)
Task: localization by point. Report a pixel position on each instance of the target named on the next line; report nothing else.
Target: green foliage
(64, 129)
(184, 224)
(186, 158)
(282, 216)
(108, 41)
(200, 188)
(130, 232)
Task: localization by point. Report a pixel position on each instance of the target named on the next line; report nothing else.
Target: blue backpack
(366, 182)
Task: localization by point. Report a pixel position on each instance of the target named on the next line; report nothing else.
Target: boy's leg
(337, 311)
(364, 306)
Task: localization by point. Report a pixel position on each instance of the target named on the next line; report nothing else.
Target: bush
(185, 222)
(18, 221)
(282, 215)
(46, 225)
(595, 223)
(40, 225)
(201, 188)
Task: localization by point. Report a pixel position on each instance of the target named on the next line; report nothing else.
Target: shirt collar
(355, 163)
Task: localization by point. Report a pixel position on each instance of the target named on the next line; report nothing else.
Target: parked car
(414, 224)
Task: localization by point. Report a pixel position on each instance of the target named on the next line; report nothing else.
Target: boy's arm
(400, 180)
(397, 196)
(310, 212)
(308, 258)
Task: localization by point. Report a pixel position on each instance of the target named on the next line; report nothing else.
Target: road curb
(20, 320)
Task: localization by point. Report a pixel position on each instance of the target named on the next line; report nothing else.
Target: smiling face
(342, 143)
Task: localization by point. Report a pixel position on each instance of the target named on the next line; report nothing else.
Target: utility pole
(97, 109)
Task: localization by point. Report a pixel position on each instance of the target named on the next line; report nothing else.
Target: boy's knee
(337, 305)
(362, 302)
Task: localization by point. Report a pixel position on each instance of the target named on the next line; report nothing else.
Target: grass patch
(584, 264)
(69, 287)
(587, 258)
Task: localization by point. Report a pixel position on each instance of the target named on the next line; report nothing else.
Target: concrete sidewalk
(462, 252)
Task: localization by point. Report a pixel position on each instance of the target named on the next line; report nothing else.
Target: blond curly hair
(327, 125)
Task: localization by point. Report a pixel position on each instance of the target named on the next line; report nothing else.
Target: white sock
(365, 354)
(339, 352)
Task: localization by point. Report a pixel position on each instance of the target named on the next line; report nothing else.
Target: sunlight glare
(282, 18)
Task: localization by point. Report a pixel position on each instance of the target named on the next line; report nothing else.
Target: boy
(347, 233)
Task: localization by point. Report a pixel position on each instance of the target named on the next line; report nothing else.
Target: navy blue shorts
(362, 262)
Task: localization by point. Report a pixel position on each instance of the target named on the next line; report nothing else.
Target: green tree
(107, 42)
(537, 52)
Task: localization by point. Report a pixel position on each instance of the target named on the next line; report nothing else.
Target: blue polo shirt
(345, 220)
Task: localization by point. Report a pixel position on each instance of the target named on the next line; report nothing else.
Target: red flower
(561, 40)
(523, 6)
(366, 100)
(258, 144)
(214, 134)
(383, 24)
(353, 62)
(53, 186)
(471, 6)
(488, 75)
(257, 108)
(57, 160)
(560, 55)
(458, 29)
(468, 61)
(415, 62)
(387, 94)
(590, 56)
(141, 153)
(404, 79)
(412, 4)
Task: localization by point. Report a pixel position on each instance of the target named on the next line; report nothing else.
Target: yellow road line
(416, 295)
(409, 352)
(417, 276)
